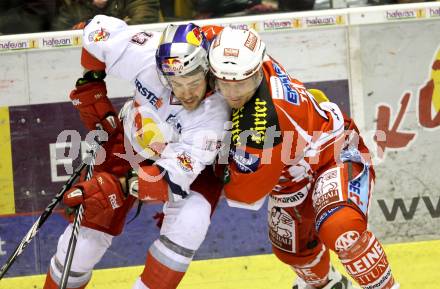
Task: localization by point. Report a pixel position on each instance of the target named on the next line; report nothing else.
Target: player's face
(237, 93)
(189, 89)
(100, 3)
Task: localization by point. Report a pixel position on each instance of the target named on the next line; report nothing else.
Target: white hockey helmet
(236, 54)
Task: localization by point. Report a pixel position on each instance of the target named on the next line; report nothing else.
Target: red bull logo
(172, 65)
(194, 37)
(99, 35)
(185, 162)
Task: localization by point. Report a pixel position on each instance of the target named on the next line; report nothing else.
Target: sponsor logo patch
(172, 65)
(141, 38)
(282, 231)
(245, 162)
(251, 41)
(328, 189)
(359, 190)
(253, 123)
(370, 268)
(150, 96)
(346, 240)
(113, 201)
(231, 52)
(292, 199)
(194, 37)
(324, 216)
(290, 93)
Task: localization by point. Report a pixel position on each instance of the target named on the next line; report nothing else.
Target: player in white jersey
(174, 125)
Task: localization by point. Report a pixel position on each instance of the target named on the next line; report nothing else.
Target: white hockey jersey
(154, 118)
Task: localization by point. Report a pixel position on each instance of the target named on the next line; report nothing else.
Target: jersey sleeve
(123, 51)
(198, 145)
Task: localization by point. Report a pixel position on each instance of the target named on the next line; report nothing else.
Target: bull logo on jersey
(172, 65)
(99, 35)
(185, 162)
(194, 37)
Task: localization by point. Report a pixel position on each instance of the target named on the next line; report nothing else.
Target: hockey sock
(367, 263)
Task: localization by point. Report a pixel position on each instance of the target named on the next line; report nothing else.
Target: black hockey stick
(41, 220)
(77, 224)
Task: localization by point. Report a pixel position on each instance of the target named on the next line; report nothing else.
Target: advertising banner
(401, 103)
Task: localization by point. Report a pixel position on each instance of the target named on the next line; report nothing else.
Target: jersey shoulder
(108, 38)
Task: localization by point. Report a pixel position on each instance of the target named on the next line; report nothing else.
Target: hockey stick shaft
(76, 226)
(41, 220)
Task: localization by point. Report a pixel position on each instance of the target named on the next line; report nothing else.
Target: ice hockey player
(173, 125)
(308, 158)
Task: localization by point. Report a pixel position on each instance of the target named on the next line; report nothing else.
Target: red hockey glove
(148, 184)
(100, 196)
(90, 98)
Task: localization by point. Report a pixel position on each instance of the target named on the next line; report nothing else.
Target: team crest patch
(185, 162)
(99, 35)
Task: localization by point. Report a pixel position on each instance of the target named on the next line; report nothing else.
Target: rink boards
(381, 64)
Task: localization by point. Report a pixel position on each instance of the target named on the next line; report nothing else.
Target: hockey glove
(100, 196)
(95, 109)
(147, 184)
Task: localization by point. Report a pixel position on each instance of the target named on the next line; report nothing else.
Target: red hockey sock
(51, 284)
(315, 272)
(367, 263)
(158, 276)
